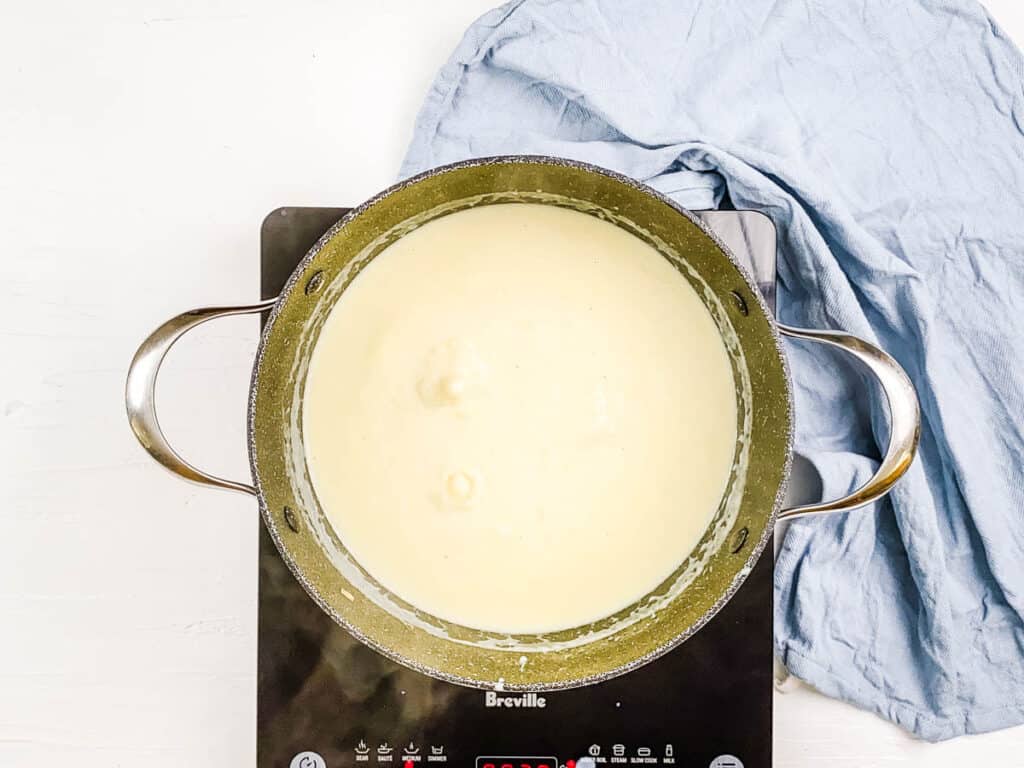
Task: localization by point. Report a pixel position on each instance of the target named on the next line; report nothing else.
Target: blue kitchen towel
(886, 140)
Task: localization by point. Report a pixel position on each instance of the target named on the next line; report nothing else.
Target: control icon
(412, 749)
(669, 750)
(384, 749)
(437, 750)
(594, 750)
(643, 752)
(726, 761)
(619, 750)
(361, 748)
(307, 760)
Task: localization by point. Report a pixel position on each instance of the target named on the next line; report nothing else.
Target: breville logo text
(526, 701)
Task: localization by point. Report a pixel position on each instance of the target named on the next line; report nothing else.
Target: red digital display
(516, 762)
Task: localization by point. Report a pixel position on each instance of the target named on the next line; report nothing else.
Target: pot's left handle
(140, 391)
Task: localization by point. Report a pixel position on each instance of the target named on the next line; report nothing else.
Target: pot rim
(438, 673)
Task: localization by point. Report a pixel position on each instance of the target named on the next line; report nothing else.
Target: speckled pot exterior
(396, 629)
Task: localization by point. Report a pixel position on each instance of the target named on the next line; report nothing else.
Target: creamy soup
(519, 418)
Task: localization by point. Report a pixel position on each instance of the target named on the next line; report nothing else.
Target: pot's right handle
(140, 391)
(904, 417)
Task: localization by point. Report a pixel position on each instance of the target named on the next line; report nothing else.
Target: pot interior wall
(666, 616)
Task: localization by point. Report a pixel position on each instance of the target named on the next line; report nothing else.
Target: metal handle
(140, 391)
(904, 417)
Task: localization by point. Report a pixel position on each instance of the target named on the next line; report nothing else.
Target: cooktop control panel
(411, 755)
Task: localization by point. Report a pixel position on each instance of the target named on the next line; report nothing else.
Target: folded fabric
(885, 140)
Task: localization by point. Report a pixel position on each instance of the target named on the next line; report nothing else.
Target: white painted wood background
(141, 143)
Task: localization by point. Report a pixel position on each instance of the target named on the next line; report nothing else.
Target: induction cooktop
(325, 700)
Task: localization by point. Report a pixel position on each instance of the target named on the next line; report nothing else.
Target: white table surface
(141, 143)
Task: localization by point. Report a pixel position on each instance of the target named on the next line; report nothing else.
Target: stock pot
(678, 607)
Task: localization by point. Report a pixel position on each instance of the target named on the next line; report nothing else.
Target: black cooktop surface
(327, 701)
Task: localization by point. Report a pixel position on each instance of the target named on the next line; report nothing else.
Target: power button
(307, 760)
